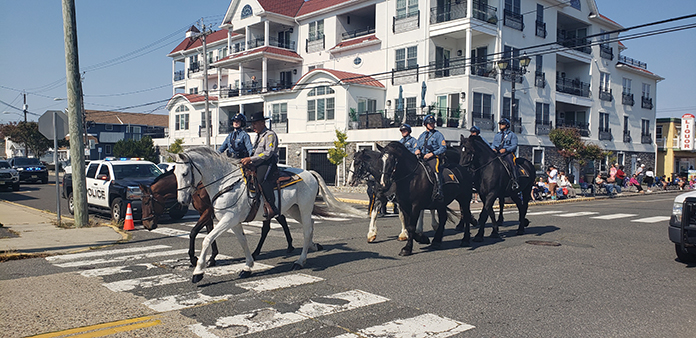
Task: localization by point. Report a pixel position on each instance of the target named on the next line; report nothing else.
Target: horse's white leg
(308, 230)
(239, 232)
(372, 230)
(221, 227)
(404, 234)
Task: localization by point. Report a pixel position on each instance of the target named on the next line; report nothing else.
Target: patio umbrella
(423, 88)
(400, 104)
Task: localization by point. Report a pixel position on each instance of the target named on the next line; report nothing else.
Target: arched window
(246, 12)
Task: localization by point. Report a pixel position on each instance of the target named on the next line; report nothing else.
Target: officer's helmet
(241, 118)
(429, 119)
(405, 127)
(505, 121)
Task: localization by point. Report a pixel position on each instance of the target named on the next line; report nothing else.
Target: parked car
(67, 168)
(682, 226)
(30, 169)
(8, 177)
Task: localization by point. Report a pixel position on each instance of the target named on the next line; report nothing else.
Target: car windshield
(144, 170)
(4, 165)
(27, 161)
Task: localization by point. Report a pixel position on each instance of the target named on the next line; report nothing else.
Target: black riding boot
(437, 189)
(270, 198)
(514, 184)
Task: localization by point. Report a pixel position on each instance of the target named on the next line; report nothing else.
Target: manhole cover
(544, 243)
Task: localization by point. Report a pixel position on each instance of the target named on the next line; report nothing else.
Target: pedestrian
(640, 173)
(649, 178)
(553, 181)
(565, 184)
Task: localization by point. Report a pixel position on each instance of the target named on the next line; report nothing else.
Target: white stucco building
(320, 65)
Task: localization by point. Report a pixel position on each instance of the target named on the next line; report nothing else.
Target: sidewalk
(26, 230)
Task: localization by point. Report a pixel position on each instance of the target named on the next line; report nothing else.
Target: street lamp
(514, 73)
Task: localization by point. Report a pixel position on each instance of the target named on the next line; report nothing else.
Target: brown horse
(164, 188)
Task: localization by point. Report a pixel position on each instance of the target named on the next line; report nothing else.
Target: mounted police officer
(431, 144)
(476, 131)
(505, 143)
(407, 140)
(237, 143)
(264, 160)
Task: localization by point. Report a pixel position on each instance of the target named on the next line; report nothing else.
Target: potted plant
(453, 120)
(353, 123)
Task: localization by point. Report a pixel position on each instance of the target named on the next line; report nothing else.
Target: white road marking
(544, 212)
(246, 232)
(113, 270)
(171, 232)
(614, 216)
(269, 318)
(178, 302)
(576, 214)
(104, 253)
(279, 282)
(653, 219)
(144, 282)
(235, 268)
(127, 258)
(426, 325)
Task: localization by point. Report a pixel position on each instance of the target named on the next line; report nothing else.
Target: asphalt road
(607, 269)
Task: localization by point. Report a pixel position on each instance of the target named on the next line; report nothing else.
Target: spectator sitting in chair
(564, 183)
(601, 182)
(634, 182)
(535, 190)
(620, 178)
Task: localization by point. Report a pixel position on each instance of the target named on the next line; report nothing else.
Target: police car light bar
(123, 159)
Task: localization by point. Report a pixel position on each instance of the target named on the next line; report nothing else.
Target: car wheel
(117, 212)
(178, 211)
(684, 257)
(15, 186)
(71, 204)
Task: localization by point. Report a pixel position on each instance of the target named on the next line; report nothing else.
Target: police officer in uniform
(238, 143)
(431, 144)
(505, 143)
(407, 140)
(264, 160)
(476, 131)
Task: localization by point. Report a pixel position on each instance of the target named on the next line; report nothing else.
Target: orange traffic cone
(128, 224)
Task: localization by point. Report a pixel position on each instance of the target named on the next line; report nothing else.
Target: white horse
(223, 179)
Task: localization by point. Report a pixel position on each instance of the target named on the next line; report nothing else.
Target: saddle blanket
(285, 179)
(449, 177)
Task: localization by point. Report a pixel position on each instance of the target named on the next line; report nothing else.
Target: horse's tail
(331, 200)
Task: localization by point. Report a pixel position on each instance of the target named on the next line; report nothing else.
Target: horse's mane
(397, 148)
(482, 144)
(163, 176)
(209, 152)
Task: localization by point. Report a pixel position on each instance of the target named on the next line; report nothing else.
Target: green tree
(568, 143)
(338, 152)
(27, 134)
(144, 148)
(175, 148)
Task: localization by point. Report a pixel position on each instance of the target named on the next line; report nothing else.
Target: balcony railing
(605, 134)
(579, 44)
(194, 67)
(179, 75)
(541, 29)
(543, 127)
(605, 95)
(574, 87)
(632, 62)
(540, 80)
(661, 142)
(406, 75)
(487, 69)
(406, 19)
(315, 43)
(255, 42)
(279, 123)
(485, 13)
(513, 20)
(583, 128)
(627, 136)
(606, 52)
(445, 68)
(484, 121)
(451, 11)
(238, 48)
(646, 138)
(358, 32)
(646, 102)
(627, 99)
(287, 44)
(445, 116)
(515, 123)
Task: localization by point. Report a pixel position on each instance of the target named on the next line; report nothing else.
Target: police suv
(682, 226)
(113, 183)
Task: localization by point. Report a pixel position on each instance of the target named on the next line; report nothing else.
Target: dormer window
(246, 12)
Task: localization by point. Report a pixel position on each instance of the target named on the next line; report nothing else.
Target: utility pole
(75, 111)
(203, 33)
(25, 107)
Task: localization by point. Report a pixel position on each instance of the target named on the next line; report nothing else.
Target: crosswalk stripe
(120, 259)
(144, 282)
(426, 325)
(576, 214)
(653, 219)
(246, 231)
(544, 212)
(614, 216)
(182, 301)
(113, 270)
(270, 318)
(104, 253)
(171, 232)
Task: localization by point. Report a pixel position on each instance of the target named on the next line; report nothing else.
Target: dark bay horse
(492, 181)
(414, 190)
(164, 188)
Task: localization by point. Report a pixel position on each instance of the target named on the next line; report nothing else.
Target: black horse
(492, 180)
(414, 187)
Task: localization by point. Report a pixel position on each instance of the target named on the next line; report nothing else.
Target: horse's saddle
(284, 179)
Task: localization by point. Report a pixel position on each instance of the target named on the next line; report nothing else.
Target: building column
(241, 79)
(264, 74)
(246, 38)
(266, 32)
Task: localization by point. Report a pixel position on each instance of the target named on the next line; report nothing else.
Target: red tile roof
(605, 18)
(637, 68)
(188, 44)
(315, 5)
(355, 41)
(269, 49)
(192, 98)
(283, 7)
(347, 77)
(117, 117)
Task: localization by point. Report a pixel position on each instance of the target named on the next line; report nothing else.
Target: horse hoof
(296, 267)
(403, 238)
(212, 263)
(478, 239)
(289, 249)
(371, 239)
(197, 278)
(194, 261)
(319, 247)
(245, 274)
(405, 252)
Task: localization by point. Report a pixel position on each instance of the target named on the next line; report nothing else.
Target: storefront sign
(687, 130)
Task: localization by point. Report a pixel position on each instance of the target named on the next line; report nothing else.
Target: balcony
(627, 99)
(632, 62)
(238, 47)
(406, 75)
(540, 80)
(446, 117)
(646, 138)
(194, 67)
(661, 142)
(286, 44)
(449, 12)
(570, 41)
(541, 29)
(484, 121)
(179, 75)
(583, 128)
(447, 67)
(256, 42)
(485, 13)
(543, 127)
(513, 20)
(605, 134)
(605, 95)
(358, 32)
(627, 136)
(573, 87)
(646, 102)
(406, 22)
(485, 69)
(606, 52)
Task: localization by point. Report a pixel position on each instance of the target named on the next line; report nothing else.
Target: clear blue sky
(33, 57)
